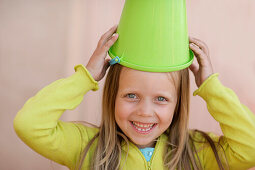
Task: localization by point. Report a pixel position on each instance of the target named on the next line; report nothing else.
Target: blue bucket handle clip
(114, 60)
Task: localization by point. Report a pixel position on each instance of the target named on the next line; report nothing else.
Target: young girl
(144, 120)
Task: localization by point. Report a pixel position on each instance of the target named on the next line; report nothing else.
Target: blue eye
(160, 98)
(131, 95)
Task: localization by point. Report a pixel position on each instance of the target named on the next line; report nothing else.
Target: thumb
(194, 68)
(106, 64)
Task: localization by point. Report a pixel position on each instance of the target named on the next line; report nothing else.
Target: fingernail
(115, 34)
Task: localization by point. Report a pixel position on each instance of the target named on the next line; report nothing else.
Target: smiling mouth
(143, 128)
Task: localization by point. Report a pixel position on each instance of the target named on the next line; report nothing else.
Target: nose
(145, 108)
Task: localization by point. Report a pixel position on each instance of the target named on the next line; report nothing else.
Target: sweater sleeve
(38, 125)
(236, 121)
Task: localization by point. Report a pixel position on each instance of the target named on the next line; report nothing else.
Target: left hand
(201, 52)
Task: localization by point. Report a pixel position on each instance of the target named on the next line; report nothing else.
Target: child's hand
(205, 69)
(98, 63)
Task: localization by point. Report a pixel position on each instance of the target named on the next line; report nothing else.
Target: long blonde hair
(181, 153)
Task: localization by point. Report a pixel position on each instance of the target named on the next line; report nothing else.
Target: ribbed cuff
(204, 85)
(86, 73)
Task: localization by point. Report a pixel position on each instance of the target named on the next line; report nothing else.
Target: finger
(200, 44)
(107, 35)
(107, 60)
(199, 54)
(110, 42)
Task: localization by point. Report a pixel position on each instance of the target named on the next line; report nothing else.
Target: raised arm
(236, 120)
(38, 124)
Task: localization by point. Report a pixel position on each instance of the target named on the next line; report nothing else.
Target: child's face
(144, 105)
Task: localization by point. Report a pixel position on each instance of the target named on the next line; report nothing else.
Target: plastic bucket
(153, 36)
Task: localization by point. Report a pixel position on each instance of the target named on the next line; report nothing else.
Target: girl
(144, 120)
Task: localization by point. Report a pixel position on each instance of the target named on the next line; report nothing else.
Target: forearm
(37, 123)
(46, 107)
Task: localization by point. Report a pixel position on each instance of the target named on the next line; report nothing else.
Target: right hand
(98, 63)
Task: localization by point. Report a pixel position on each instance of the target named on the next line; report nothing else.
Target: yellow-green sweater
(38, 125)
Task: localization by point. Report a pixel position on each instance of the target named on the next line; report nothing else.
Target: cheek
(166, 115)
(122, 110)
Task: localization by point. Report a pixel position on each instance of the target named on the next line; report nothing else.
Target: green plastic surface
(153, 36)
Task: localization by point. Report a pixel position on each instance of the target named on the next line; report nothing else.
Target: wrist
(85, 74)
(90, 70)
(202, 86)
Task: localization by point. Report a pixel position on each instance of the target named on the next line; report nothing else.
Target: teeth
(144, 127)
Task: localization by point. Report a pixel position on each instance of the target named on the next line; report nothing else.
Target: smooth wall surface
(42, 40)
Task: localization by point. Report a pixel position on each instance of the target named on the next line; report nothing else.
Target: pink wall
(41, 41)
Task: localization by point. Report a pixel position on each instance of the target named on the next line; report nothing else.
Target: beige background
(42, 40)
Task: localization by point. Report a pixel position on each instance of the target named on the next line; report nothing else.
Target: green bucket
(153, 36)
